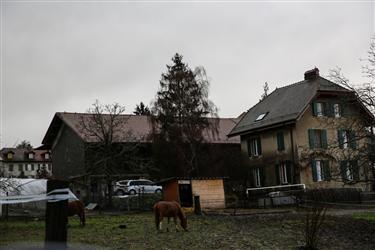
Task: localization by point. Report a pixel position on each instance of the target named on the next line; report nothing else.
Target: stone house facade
(312, 132)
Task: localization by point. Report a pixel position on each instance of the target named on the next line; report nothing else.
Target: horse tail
(157, 216)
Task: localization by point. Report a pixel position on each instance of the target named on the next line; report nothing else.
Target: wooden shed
(210, 190)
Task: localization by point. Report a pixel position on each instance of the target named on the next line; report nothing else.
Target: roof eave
(263, 128)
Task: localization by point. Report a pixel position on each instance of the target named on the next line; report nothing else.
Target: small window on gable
(46, 156)
(10, 155)
(261, 116)
(31, 155)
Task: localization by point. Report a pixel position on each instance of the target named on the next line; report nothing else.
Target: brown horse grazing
(77, 208)
(169, 209)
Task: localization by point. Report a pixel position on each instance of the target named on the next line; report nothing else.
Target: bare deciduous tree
(109, 148)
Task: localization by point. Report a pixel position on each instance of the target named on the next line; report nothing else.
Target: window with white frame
(31, 155)
(336, 110)
(254, 146)
(256, 174)
(319, 170)
(46, 156)
(319, 109)
(283, 173)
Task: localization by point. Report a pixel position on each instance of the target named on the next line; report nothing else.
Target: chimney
(312, 74)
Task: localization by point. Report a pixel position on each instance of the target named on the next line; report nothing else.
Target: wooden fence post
(197, 205)
(56, 218)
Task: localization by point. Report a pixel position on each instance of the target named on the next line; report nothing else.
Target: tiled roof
(139, 127)
(284, 104)
(21, 155)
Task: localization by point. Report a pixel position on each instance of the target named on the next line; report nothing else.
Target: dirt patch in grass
(269, 231)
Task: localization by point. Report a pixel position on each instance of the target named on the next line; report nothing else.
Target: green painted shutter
(326, 171)
(330, 109)
(280, 141)
(340, 138)
(355, 170)
(343, 166)
(311, 138)
(277, 174)
(262, 176)
(313, 168)
(289, 172)
(249, 147)
(259, 145)
(325, 108)
(314, 108)
(352, 139)
(323, 138)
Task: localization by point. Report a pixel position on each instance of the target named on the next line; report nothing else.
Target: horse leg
(160, 222)
(82, 218)
(168, 224)
(175, 223)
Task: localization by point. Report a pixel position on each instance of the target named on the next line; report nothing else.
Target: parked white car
(136, 186)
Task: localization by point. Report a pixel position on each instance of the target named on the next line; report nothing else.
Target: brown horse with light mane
(169, 209)
(77, 208)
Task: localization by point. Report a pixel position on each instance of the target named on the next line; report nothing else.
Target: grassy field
(275, 231)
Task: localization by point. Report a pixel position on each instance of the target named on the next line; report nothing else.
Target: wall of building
(170, 191)
(29, 169)
(211, 193)
(270, 155)
(333, 153)
(68, 154)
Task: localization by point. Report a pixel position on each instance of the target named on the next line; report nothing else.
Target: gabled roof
(138, 125)
(285, 105)
(21, 155)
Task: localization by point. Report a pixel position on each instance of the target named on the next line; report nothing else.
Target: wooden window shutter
(343, 167)
(289, 171)
(352, 139)
(259, 144)
(330, 109)
(314, 108)
(340, 138)
(326, 171)
(248, 146)
(262, 176)
(355, 170)
(313, 168)
(277, 174)
(280, 141)
(312, 138)
(323, 138)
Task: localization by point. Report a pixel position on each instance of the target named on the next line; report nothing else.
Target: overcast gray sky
(61, 56)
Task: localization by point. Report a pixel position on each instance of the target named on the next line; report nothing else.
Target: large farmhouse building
(66, 139)
(312, 132)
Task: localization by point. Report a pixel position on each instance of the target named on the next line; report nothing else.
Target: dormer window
(31, 155)
(10, 156)
(261, 116)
